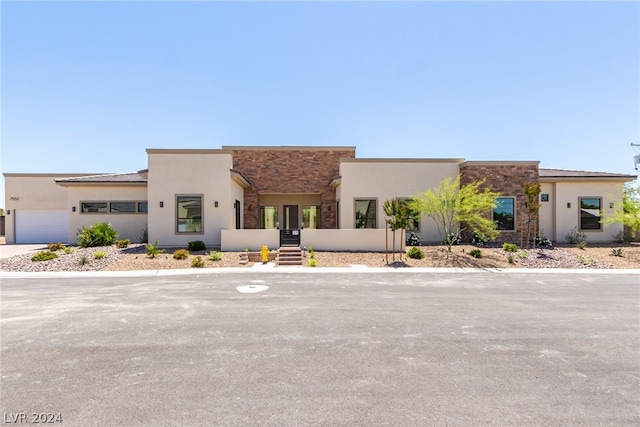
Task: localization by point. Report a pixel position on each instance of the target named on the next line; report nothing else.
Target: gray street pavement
(322, 349)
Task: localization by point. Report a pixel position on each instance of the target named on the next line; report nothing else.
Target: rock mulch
(135, 258)
(81, 259)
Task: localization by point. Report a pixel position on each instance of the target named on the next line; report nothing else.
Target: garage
(41, 226)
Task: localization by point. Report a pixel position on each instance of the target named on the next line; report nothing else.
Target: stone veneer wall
(508, 179)
(290, 170)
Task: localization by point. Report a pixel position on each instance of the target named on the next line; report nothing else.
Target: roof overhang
(237, 176)
(628, 178)
(100, 184)
(287, 148)
(398, 160)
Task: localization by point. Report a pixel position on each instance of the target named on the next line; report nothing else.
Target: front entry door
(291, 217)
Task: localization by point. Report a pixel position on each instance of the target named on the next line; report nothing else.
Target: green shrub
(214, 255)
(543, 242)
(585, 260)
(84, 260)
(67, 250)
(415, 253)
(181, 254)
(511, 259)
(475, 253)
(313, 262)
(617, 252)
(124, 243)
(153, 249)
(44, 256)
(510, 247)
(581, 245)
(312, 253)
(523, 254)
(197, 262)
(99, 234)
(413, 240)
(100, 255)
(197, 245)
(576, 237)
(55, 246)
(479, 239)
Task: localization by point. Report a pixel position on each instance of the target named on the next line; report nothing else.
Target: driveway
(7, 251)
(333, 349)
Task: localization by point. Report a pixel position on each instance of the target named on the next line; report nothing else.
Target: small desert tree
(451, 205)
(397, 218)
(532, 194)
(627, 210)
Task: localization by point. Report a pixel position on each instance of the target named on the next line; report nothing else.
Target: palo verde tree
(626, 210)
(532, 195)
(451, 205)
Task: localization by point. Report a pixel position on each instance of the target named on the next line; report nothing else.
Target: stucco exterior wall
(174, 173)
(128, 225)
(32, 192)
(547, 212)
(569, 217)
(237, 193)
(385, 179)
(254, 240)
(289, 170)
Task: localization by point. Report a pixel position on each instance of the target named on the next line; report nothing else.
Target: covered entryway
(41, 226)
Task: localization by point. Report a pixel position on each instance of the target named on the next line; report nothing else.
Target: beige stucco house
(246, 197)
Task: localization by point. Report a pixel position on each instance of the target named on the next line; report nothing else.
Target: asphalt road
(325, 349)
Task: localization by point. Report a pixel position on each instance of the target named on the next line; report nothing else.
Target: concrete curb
(318, 270)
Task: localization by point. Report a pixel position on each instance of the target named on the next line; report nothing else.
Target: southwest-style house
(241, 197)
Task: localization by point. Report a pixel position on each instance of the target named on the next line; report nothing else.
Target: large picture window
(504, 213)
(365, 213)
(269, 217)
(311, 216)
(590, 213)
(189, 214)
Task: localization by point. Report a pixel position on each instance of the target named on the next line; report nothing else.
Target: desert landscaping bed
(135, 258)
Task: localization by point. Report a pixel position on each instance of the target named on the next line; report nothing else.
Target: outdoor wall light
(569, 205)
(611, 205)
(250, 208)
(215, 203)
(162, 204)
(329, 208)
(73, 208)
(9, 212)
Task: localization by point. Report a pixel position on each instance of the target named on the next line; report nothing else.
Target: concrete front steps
(289, 255)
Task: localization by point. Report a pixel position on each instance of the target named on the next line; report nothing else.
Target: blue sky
(88, 86)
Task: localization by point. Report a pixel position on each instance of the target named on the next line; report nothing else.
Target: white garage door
(41, 226)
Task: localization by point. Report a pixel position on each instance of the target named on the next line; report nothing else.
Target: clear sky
(88, 86)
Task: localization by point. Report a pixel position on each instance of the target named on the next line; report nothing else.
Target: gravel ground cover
(135, 258)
